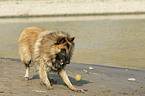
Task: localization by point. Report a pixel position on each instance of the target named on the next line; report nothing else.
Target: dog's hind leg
(26, 58)
(27, 66)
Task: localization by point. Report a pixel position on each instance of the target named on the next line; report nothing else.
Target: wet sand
(105, 40)
(100, 81)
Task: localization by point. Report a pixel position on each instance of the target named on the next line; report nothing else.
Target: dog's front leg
(44, 77)
(65, 78)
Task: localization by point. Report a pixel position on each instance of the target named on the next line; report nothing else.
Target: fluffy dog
(49, 51)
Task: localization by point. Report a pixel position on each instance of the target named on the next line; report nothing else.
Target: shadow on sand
(60, 81)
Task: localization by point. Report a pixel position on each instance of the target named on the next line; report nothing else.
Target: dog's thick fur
(49, 51)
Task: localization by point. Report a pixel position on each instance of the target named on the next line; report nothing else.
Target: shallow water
(112, 41)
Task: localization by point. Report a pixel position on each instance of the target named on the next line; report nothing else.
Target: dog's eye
(62, 40)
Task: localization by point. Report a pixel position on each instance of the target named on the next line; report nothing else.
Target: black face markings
(67, 45)
(61, 60)
(70, 40)
(63, 51)
(60, 41)
(64, 55)
(66, 41)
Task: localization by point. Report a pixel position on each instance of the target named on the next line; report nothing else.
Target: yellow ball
(78, 77)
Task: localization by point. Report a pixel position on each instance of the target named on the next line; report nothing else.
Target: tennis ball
(78, 77)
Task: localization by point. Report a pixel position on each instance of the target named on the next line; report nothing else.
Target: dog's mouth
(61, 62)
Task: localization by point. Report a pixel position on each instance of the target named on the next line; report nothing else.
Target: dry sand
(99, 81)
(59, 7)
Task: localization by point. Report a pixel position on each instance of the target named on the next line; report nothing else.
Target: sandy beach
(102, 80)
(27, 8)
(99, 81)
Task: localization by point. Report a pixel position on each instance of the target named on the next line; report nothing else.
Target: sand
(68, 7)
(99, 81)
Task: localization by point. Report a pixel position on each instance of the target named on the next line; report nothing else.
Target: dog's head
(63, 49)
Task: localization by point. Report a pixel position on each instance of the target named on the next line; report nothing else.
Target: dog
(50, 51)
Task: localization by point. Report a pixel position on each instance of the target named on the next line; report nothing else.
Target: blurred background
(108, 32)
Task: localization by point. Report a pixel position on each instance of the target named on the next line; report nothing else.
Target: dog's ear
(61, 40)
(71, 39)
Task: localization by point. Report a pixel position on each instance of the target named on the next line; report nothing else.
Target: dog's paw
(79, 91)
(50, 88)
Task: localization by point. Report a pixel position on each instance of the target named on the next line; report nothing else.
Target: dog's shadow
(60, 81)
(35, 77)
